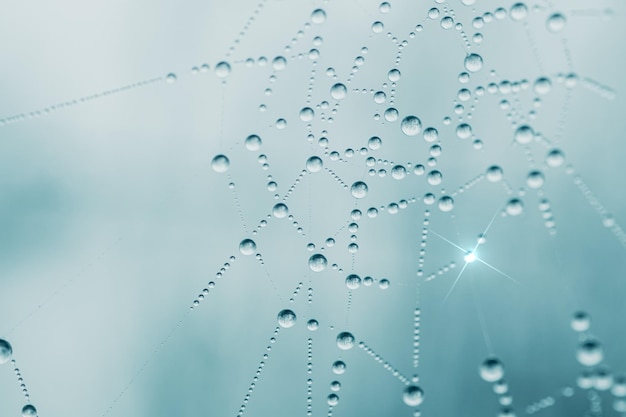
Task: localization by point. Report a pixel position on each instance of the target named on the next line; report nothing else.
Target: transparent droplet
(338, 91)
(353, 281)
(314, 164)
(473, 62)
(247, 247)
(29, 410)
(286, 318)
(307, 114)
(384, 7)
(542, 86)
(6, 351)
(518, 12)
(434, 177)
(253, 143)
(391, 114)
(383, 284)
(494, 173)
(332, 399)
(280, 210)
(394, 75)
(345, 341)
(431, 134)
(398, 172)
(555, 158)
(220, 163)
(556, 22)
(413, 396)
(312, 325)
(374, 143)
(359, 189)
(446, 22)
(464, 131)
(411, 126)
(317, 262)
(222, 69)
(535, 179)
(491, 370)
(339, 367)
(170, 78)
(590, 352)
(514, 207)
(318, 16)
(335, 386)
(446, 203)
(378, 26)
(524, 134)
(279, 63)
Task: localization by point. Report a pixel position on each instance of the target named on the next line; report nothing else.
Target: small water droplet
(220, 163)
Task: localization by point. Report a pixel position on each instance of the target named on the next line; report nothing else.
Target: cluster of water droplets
(420, 177)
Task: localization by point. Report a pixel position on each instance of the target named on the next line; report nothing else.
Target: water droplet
(413, 396)
(317, 262)
(29, 410)
(353, 281)
(6, 351)
(314, 164)
(247, 247)
(312, 325)
(394, 75)
(280, 210)
(279, 63)
(307, 114)
(518, 12)
(589, 352)
(514, 207)
(494, 173)
(535, 179)
(542, 86)
(555, 158)
(170, 78)
(384, 7)
(374, 143)
(286, 318)
(398, 172)
(345, 341)
(332, 399)
(556, 22)
(220, 163)
(383, 284)
(318, 16)
(339, 367)
(434, 177)
(431, 134)
(411, 126)
(222, 69)
(378, 26)
(446, 203)
(253, 143)
(491, 370)
(338, 91)
(359, 189)
(391, 114)
(464, 131)
(446, 22)
(473, 62)
(524, 134)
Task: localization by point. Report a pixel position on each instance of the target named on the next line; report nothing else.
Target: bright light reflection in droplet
(470, 257)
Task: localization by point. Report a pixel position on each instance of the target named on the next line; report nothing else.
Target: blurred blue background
(113, 222)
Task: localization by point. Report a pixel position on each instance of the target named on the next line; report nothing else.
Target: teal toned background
(112, 220)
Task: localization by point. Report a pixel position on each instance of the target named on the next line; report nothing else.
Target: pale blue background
(112, 220)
